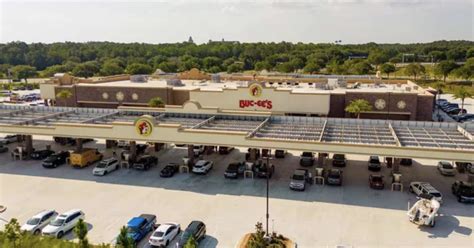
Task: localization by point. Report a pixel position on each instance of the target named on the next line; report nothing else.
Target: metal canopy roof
(450, 136)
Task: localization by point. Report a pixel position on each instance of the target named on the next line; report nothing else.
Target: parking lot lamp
(268, 190)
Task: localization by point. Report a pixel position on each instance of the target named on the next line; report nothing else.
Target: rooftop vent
(138, 78)
(175, 82)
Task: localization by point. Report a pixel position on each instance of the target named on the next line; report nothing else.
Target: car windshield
(436, 194)
(186, 235)
(33, 221)
(102, 165)
(333, 174)
(374, 160)
(447, 166)
(130, 230)
(232, 167)
(57, 222)
(377, 179)
(158, 234)
(298, 177)
(307, 154)
(338, 156)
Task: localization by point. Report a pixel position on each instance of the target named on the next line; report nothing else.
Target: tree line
(21, 60)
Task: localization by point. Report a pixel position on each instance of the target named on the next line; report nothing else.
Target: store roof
(452, 136)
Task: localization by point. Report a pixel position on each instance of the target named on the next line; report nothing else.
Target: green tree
(168, 66)
(235, 67)
(156, 102)
(387, 69)
(24, 72)
(50, 71)
(437, 55)
(86, 69)
(377, 58)
(360, 68)
(311, 68)
(464, 72)
(470, 53)
(444, 68)
(137, 68)
(286, 67)
(12, 232)
(462, 93)
(123, 240)
(80, 230)
(262, 65)
(358, 106)
(111, 67)
(191, 243)
(210, 62)
(414, 69)
(257, 239)
(64, 95)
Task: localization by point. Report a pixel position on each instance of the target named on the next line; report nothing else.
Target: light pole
(268, 167)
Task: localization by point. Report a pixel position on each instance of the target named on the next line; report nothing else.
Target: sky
(168, 21)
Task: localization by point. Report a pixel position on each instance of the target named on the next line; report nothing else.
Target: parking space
(320, 216)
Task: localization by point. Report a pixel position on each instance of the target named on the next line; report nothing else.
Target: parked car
(307, 159)
(36, 223)
(202, 167)
(419, 188)
(334, 177)
(145, 162)
(41, 154)
(463, 117)
(106, 166)
(446, 168)
(376, 181)
(262, 171)
(3, 148)
(465, 167)
(299, 179)
(195, 229)
(339, 160)
(456, 111)
(406, 161)
(56, 159)
(86, 157)
(198, 150)
(280, 153)
(225, 149)
(123, 144)
(444, 107)
(169, 170)
(440, 101)
(464, 191)
(139, 227)
(374, 163)
(9, 139)
(234, 170)
(63, 223)
(164, 234)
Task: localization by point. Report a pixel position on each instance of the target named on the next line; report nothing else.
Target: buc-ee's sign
(255, 90)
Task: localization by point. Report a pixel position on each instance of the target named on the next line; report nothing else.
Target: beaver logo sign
(255, 90)
(144, 125)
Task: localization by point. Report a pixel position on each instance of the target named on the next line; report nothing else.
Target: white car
(202, 167)
(123, 143)
(106, 166)
(164, 234)
(37, 222)
(9, 139)
(63, 223)
(446, 168)
(419, 188)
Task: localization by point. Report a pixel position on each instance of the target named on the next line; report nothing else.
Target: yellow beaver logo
(255, 90)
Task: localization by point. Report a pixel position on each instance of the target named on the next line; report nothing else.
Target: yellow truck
(85, 158)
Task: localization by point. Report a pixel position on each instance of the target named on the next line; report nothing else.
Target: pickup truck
(139, 227)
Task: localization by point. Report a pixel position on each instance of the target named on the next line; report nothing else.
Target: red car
(376, 182)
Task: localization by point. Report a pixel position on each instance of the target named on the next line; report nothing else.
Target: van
(85, 158)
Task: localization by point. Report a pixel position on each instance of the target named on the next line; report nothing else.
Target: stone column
(133, 150)
(321, 159)
(79, 145)
(28, 145)
(158, 146)
(109, 144)
(191, 155)
(396, 165)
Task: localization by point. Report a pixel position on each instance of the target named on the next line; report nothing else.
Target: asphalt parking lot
(321, 216)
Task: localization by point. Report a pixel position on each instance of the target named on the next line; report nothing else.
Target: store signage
(144, 125)
(256, 90)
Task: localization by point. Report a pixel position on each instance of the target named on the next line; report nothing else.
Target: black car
(406, 161)
(376, 182)
(41, 154)
(307, 159)
(339, 160)
(225, 150)
(464, 191)
(56, 159)
(374, 163)
(280, 153)
(334, 177)
(169, 170)
(195, 229)
(234, 170)
(261, 170)
(145, 162)
(3, 148)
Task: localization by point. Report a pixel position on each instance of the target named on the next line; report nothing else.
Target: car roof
(201, 161)
(164, 227)
(135, 221)
(374, 157)
(42, 213)
(428, 187)
(194, 224)
(300, 172)
(72, 211)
